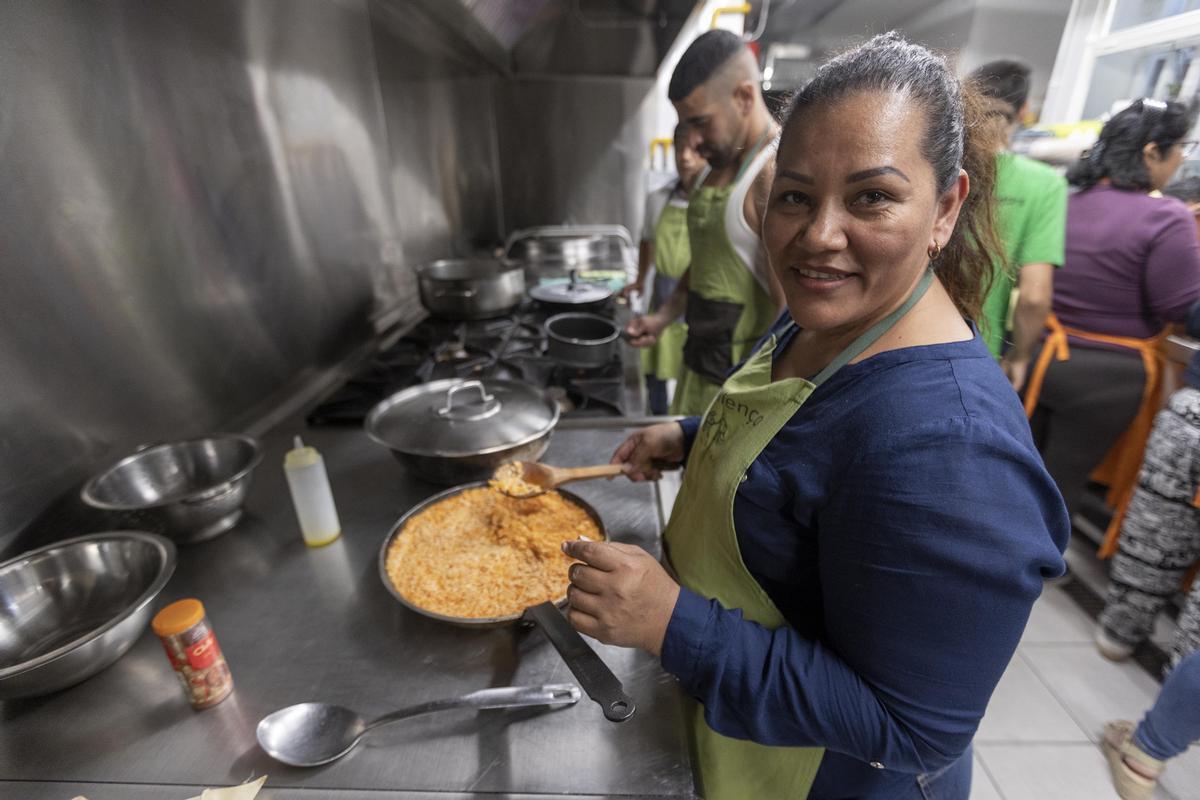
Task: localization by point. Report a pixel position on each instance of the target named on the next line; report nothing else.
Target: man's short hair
(1006, 80)
(701, 61)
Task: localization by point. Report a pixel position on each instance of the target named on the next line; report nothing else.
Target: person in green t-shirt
(1031, 220)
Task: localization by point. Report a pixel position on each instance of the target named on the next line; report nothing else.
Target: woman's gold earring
(935, 251)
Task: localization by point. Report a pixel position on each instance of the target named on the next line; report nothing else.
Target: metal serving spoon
(311, 734)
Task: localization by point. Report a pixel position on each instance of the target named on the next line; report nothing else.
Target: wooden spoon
(536, 478)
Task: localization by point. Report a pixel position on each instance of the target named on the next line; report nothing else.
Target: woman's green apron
(702, 547)
(664, 359)
(728, 309)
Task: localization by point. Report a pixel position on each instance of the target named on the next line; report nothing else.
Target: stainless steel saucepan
(471, 288)
(593, 674)
(582, 340)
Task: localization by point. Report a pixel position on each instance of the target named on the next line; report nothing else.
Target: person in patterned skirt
(1160, 541)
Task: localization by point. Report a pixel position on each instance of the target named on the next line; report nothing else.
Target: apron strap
(875, 331)
(751, 155)
(1055, 347)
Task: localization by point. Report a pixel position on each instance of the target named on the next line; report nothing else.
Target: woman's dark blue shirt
(903, 523)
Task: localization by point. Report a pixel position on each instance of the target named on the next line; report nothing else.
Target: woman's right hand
(663, 442)
(643, 331)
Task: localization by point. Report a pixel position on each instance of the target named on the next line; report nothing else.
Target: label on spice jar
(204, 653)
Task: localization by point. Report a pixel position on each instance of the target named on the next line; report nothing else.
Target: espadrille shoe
(1134, 773)
(1110, 648)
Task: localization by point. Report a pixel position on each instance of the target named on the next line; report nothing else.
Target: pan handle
(593, 674)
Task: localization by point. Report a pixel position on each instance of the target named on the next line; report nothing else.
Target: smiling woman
(864, 522)
(854, 219)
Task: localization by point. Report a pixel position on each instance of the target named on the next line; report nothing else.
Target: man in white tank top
(729, 295)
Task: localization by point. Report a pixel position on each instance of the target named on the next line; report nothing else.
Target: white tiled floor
(1038, 740)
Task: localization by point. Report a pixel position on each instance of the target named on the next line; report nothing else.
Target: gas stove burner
(560, 398)
(508, 348)
(455, 349)
(450, 353)
(603, 394)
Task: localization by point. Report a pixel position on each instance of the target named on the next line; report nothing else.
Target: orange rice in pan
(482, 554)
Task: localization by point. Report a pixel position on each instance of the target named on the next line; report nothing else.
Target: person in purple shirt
(1132, 267)
(864, 522)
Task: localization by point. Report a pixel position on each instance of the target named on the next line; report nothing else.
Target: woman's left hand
(620, 594)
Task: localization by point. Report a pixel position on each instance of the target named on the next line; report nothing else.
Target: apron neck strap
(751, 154)
(700, 179)
(875, 331)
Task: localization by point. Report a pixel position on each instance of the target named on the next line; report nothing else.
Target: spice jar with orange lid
(194, 653)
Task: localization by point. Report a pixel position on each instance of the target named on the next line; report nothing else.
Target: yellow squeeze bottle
(311, 495)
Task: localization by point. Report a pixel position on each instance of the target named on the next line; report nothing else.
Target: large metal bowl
(190, 490)
(72, 608)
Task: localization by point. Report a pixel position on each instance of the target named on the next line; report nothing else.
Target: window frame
(1088, 36)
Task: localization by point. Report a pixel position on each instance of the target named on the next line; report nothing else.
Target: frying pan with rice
(592, 673)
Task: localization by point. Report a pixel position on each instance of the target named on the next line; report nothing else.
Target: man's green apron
(728, 310)
(702, 548)
(664, 359)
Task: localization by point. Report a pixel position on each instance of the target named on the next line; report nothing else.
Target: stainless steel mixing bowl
(70, 609)
(190, 490)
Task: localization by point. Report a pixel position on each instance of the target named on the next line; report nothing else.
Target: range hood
(536, 37)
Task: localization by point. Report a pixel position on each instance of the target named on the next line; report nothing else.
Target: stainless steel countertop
(298, 624)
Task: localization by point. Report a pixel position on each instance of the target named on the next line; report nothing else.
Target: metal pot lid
(456, 417)
(571, 294)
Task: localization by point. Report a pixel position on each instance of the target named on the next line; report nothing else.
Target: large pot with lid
(471, 288)
(457, 431)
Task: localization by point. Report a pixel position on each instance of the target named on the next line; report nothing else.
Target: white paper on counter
(247, 791)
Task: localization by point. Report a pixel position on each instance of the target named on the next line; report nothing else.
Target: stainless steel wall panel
(559, 37)
(574, 150)
(207, 203)
(198, 209)
(444, 172)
